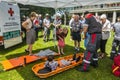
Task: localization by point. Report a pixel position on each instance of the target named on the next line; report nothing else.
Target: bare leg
(30, 49)
(62, 51)
(58, 49)
(78, 45)
(75, 44)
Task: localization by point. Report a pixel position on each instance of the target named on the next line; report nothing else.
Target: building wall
(111, 10)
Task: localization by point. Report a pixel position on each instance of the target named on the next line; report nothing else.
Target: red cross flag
(11, 12)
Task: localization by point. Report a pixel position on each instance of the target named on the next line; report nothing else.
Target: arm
(113, 28)
(85, 31)
(44, 24)
(54, 23)
(58, 25)
(60, 37)
(24, 24)
(106, 26)
(70, 23)
(85, 28)
(48, 26)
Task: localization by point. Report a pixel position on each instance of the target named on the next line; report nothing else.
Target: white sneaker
(78, 49)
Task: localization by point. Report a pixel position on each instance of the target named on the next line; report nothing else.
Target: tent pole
(64, 19)
(54, 36)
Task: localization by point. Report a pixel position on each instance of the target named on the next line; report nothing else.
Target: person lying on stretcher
(51, 64)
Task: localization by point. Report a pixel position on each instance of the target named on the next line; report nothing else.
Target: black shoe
(82, 70)
(78, 59)
(112, 56)
(74, 56)
(45, 40)
(94, 64)
(27, 51)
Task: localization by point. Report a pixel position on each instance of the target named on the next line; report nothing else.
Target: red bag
(116, 66)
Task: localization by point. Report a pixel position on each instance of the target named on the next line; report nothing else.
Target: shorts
(76, 36)
(30, 36)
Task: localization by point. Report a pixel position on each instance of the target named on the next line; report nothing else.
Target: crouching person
(94, 28)
(116, 41)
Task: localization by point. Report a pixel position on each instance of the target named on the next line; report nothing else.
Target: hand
(83, 37)
(48, 27)
(62, 39)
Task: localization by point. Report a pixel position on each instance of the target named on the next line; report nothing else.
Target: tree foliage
(37, 9)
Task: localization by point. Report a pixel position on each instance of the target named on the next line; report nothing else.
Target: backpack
(116, 66)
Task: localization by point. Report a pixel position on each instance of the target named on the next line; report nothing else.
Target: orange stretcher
(40, 66)
(21, 61)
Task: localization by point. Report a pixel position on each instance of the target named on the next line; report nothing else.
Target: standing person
(41, 23)
(30, 32)
(94, 28)
(116, 41)
(61, 34)
(71, 20)
(86, 39)
(57, 24)
(46, 23)
(76, 32)
(106, 27)
(36, 25)
(22, 28)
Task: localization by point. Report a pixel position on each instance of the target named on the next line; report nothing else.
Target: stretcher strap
(115, 69)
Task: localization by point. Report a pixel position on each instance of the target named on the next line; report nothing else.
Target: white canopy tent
(54, 3)
(62, 3)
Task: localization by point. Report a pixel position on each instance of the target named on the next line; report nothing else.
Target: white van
(10, 27)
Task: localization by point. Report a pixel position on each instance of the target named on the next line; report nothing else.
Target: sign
(10, 26)
(11, 12)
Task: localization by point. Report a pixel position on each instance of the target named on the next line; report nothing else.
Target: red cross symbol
(11, 12)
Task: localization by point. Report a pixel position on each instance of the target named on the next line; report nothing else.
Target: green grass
(103, 72)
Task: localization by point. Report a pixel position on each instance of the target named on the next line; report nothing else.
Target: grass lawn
(103, 72)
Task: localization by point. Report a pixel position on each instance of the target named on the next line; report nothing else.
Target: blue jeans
(86, 39)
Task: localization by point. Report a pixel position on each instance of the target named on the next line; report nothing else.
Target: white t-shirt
(46, 22)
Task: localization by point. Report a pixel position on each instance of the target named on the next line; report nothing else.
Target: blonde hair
(33, 14)
(65, 31)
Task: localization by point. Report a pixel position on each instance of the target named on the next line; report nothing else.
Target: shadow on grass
(5, 51)
(68, 50)
(26, 72)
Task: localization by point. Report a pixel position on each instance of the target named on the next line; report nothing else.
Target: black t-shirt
(94, 26)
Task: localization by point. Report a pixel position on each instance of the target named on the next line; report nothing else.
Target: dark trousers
(91, 50)
(102, 45)
(37, 30)
(114, 51)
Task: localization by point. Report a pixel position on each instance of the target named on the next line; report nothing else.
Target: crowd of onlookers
(94, 30)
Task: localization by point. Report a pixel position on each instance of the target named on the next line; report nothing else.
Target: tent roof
(62, 3)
